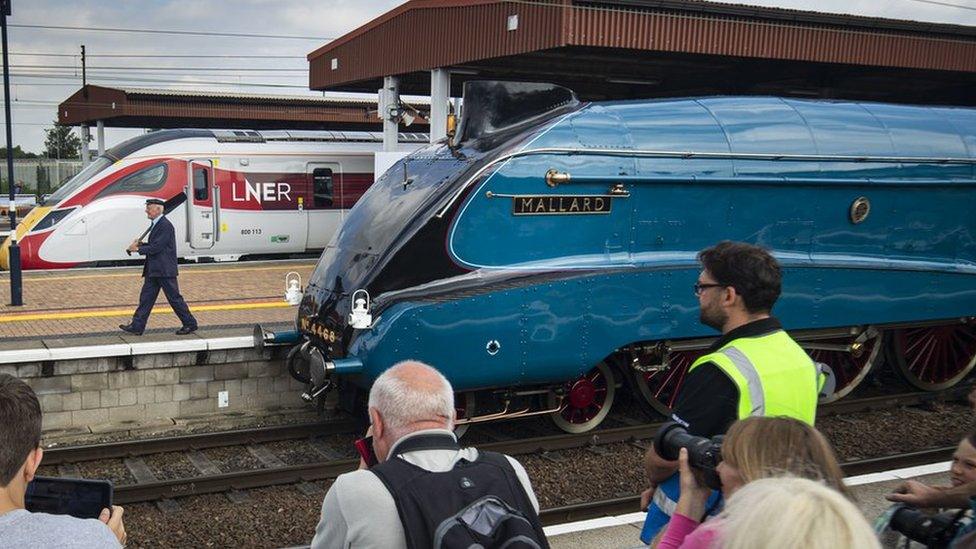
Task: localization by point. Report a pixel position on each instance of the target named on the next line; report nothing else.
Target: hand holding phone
(68, 496)
(365, 448)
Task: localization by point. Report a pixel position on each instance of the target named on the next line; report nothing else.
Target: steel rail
(199, 441)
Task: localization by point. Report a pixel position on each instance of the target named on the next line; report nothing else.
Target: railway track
(275, 472)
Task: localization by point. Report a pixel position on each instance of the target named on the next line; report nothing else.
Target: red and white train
(248, 192)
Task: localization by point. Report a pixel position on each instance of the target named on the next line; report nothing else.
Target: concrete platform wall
(103, 395)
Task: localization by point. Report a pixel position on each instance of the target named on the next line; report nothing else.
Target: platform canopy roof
(647, 48)
(149, 108)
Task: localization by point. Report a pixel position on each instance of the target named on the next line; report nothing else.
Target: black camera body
(933, 531)
(704, 454)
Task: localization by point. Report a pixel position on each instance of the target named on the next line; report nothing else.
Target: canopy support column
(100, 136)
(85, 138)
(389, 111)
(440, 97)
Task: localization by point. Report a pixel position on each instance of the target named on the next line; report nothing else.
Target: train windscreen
(76, 182)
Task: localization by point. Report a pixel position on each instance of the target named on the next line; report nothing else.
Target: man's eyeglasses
(699, 287)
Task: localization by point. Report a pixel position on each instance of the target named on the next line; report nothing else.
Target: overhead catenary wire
(157, 80)
(946, 4)
(160, 55)
(124, 68)
(171, 31)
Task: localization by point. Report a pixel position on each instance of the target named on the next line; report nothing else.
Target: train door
(202, 205)
(326, 203)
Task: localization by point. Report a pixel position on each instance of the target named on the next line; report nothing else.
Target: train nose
(23, 227)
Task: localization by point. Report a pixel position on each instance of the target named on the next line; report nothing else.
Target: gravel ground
(48, 471)
(577, 476)
(171, 465)
(897, 430)
(271, 517)
(340, 445)
(108, 469)
(294, 452)
(232, 458)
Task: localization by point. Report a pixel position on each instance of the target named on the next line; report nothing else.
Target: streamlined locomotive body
(544, 258)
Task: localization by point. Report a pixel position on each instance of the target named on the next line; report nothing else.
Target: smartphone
(79, 498)
(365, 448)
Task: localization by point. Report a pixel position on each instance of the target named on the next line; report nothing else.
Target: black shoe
(130, 329)
(186, 330)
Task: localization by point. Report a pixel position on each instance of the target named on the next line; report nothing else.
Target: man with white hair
(425, 483)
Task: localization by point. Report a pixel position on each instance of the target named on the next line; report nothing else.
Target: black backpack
(476, 505)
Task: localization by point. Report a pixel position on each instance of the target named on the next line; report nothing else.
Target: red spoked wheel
(934, 357)
(659, 388)
(845, 369)
(464, 409)
(587, 400)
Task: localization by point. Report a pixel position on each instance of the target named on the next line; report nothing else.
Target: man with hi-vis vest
(754, 369)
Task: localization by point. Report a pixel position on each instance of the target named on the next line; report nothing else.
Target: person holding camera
(952, 529)
(754, 448)
(20, 456)
(425, 490)
(753, 369)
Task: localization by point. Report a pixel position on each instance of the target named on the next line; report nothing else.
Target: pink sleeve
(705, 537)
(679, 528)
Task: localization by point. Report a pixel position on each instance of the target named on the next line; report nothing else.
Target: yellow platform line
(24, 317)
(183, 272)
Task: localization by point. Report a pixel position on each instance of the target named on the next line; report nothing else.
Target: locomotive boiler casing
(484, 260)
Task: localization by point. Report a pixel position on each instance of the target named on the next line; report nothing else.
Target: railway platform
(92, 377)
(88, 303)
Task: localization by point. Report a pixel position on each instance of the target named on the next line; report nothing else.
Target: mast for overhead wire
(84, 77)
(16, 282)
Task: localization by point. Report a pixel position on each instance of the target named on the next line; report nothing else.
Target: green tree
(61, 142)
(18, 153)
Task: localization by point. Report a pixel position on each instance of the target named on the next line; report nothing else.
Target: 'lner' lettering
(262, 192)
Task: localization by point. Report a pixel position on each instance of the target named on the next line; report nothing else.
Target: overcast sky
(39, 83)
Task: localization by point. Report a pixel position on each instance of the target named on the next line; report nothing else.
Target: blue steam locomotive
(543, 257)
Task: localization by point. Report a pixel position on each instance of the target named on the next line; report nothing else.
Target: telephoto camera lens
(704, 454)
(933, 531)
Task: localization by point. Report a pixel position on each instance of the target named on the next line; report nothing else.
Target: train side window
(201, 191)
(143, 181)
(322, 188)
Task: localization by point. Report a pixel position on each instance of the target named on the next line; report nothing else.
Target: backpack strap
(428, 442)
(395, 473)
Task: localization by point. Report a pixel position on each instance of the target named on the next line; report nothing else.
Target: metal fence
(39, 176)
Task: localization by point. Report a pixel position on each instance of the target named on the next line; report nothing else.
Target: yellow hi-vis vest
(774, 375)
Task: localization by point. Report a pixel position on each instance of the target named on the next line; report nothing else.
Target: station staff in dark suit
(160, 271)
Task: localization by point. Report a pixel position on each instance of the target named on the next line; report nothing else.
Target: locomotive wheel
(659, 389)
(847, 368)
(588, 400)
(934, 357)
(464, 408)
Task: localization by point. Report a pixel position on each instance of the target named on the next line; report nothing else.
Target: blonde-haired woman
(754, 448)
(760, 447)
(793, 512)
